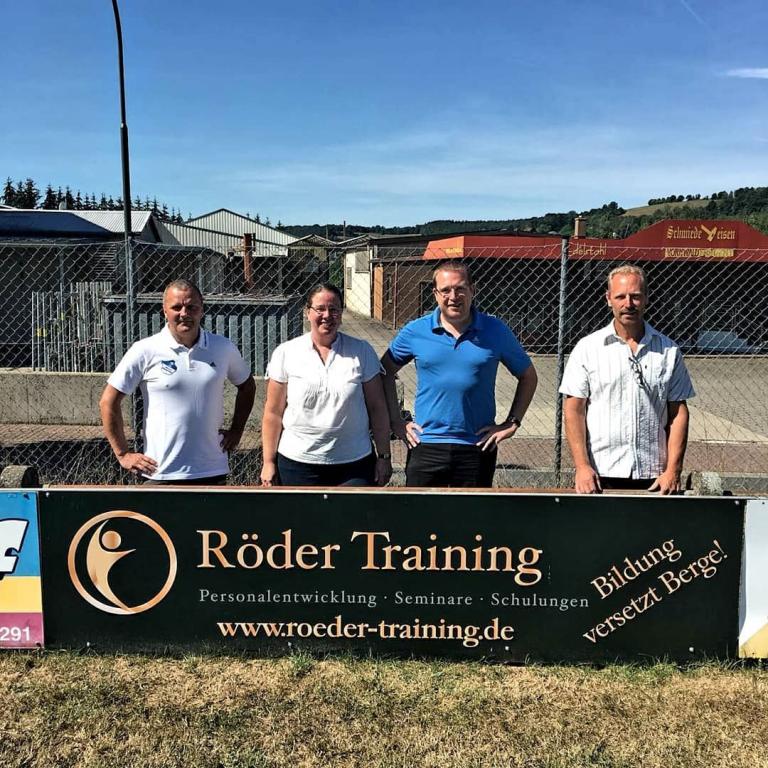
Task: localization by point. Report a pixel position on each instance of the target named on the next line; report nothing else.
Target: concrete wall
(73, 398)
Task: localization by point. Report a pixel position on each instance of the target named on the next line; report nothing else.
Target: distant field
(67, 709)
(648, 209)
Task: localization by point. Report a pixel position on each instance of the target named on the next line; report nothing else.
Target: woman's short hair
(319, 288)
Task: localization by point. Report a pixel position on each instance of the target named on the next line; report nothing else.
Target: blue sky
(391, 112)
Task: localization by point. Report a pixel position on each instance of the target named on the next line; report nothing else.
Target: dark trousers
(359, 473)
(449, 465)
(215, 480)
(625, 484)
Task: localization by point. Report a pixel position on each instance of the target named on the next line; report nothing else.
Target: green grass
(64, 709)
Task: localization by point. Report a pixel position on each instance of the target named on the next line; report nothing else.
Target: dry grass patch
(68, 710)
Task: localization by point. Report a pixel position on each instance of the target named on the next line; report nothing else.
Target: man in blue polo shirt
(453, 439)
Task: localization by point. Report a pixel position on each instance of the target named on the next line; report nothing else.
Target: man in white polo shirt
(181, 373)
(626, 387)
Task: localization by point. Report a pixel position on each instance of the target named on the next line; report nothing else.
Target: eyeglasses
(637, 369)
(459, 290)
(332, 311)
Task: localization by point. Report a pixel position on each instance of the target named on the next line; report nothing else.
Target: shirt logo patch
(168, 366)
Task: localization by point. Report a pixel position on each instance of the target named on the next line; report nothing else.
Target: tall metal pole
(130, 279)
(560, 361)
(130, 293)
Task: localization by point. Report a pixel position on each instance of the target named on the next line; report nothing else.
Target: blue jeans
(358, 473)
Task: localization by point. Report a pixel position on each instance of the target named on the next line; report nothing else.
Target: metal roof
(229, 222)
(382, 240)
(103, 224)
(316, 240)
(374, 238)
(197, 236)
(112, 221)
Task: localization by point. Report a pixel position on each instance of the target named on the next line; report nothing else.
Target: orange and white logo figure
(103, 549)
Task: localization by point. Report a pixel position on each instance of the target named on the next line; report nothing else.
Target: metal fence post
(131, 318)
(130, 294)
(560, 361)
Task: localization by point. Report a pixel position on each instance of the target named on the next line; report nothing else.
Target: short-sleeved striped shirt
(627, 399)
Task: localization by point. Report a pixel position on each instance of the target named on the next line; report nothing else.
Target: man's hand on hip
(138, 463)
(587, 481)
(493, 434)
(407, 431)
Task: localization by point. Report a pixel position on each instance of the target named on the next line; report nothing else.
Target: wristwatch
(513, 421)
(384, 456)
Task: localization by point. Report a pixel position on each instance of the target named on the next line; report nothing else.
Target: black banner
(495, 575)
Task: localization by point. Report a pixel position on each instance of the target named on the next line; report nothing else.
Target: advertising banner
(753, 636)
(21, 603)
(475, 574)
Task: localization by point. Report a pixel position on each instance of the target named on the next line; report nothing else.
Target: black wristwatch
(387, 456)
(513, 421)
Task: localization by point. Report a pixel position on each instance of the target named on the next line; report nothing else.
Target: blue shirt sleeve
(511, 352)
(401, 348)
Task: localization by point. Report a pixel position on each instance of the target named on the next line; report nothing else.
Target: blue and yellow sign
(21, 602)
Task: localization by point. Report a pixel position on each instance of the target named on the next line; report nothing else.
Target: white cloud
(756, 73)
(497, 171)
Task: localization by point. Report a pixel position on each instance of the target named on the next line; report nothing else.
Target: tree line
(26, 194)
(550, 223)
(749, 204)
(673, 199)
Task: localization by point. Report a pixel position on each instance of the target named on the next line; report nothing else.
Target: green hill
(748, 204)
(649, 210)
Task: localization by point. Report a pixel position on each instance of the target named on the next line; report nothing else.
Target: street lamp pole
(130, 280)
(130, 293)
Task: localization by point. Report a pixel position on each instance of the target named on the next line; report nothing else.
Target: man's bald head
(182, 284)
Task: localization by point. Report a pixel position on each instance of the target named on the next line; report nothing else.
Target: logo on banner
(122, 562)
(11, 539)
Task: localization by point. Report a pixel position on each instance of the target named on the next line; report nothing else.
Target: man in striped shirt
(626, 387)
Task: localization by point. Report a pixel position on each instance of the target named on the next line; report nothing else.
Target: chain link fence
(65, 314)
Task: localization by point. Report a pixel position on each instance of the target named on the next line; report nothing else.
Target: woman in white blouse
(324, 399)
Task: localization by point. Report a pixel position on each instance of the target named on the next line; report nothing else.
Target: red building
(705, 278)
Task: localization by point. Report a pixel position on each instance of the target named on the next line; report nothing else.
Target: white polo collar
(176, 346)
